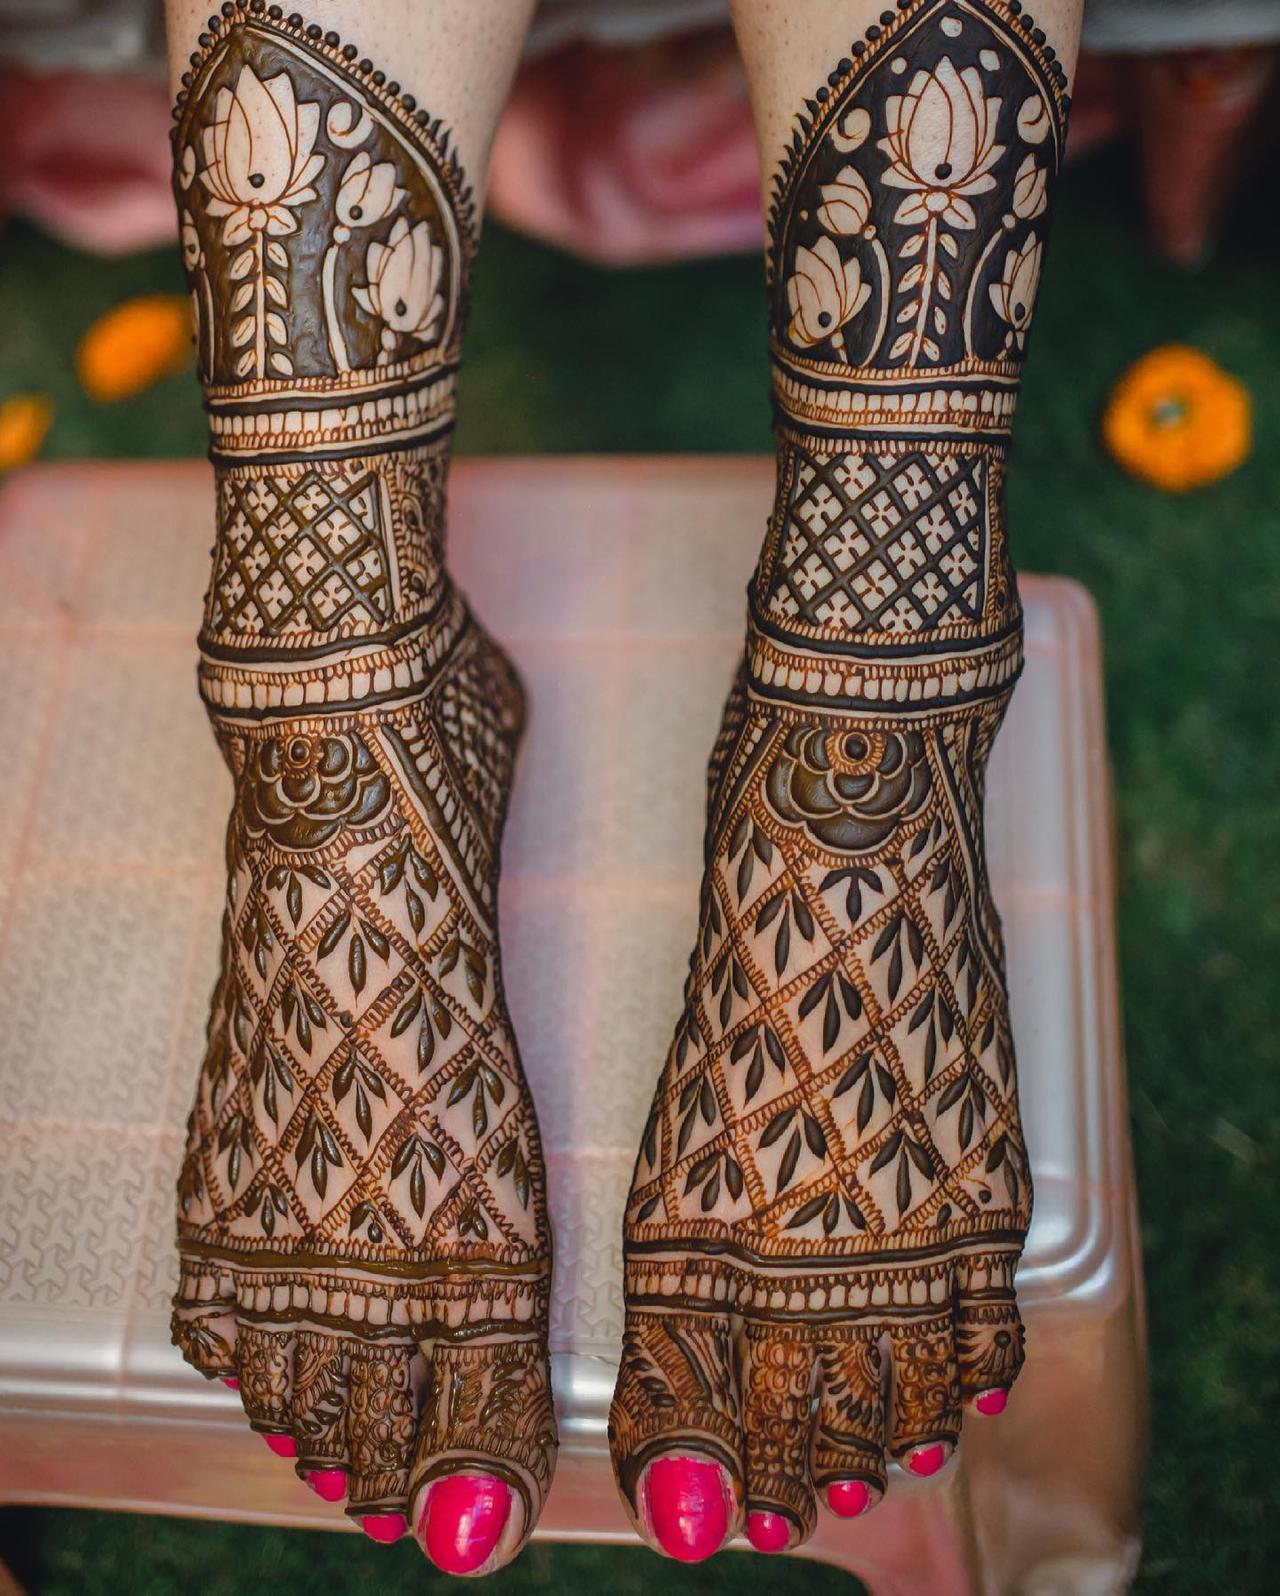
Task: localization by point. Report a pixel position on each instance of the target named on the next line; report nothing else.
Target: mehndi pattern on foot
(361, 1219)
(832, 1190)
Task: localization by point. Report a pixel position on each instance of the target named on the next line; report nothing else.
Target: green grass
(563, 357)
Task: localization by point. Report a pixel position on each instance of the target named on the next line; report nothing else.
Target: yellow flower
(134, 345)
(1177, 420)
(258, 156)
(941, 144)
(24, 421)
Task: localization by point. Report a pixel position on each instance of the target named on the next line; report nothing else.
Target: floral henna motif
(834, 1163)
(361, 1211)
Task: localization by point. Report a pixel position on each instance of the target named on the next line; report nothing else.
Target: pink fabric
(87, 157)
(619, 155)
(632, 155)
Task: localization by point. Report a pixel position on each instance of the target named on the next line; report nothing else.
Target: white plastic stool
(618, 584)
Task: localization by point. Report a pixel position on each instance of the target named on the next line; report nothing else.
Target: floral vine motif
(849, 789)
(260, 163)
(303, 789)
(941, 146)
(404, 288)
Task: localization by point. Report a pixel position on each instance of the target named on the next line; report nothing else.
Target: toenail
(330, 1485)
(850, 1498)
(926, 1460)
(231, 1383)
(384, 1527)
(687, 1502)
(768, 1532)
(462, 1519)
(282, 1445)
(992, 1402)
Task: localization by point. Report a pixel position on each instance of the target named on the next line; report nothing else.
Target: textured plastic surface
(618, 584)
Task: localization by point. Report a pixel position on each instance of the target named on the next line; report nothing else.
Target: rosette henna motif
(832, 1190)
(362, 1229)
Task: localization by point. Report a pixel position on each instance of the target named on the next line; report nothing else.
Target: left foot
(832, 1190)
(362, 1227)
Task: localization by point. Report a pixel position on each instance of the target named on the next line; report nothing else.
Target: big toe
(462, 1521)
(689, 1505)
(675, 1431)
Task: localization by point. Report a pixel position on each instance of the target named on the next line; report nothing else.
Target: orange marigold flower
(1177, 420)
(24, 421)
(134, 345)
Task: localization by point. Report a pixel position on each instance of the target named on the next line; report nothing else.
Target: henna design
(834, 1151)
(363, 1182)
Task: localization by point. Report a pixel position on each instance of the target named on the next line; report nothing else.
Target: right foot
(362, 1229)
(832, 1190)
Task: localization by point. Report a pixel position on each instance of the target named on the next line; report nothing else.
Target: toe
(264, 1368)
(926, 1393)
(380, 1429)
(688, 1504)
(848, 1447)
(485, 1450)
(203, 1323)
(779, 1367)
(462, 1519)
(989, 1334)
(385, 1528)
(675, 1431)
(769, 1532)
(318, 1402)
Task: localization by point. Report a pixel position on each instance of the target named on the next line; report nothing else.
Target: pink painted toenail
(282, 1445)
(768, 1532)
(849, 1498)
(230, 1382)
(993, 1402)
(462, 1520)
(330, 1485)
(384, 1527)
(687, 1504)
(927, 1459)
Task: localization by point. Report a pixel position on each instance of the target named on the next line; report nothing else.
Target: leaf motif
(966, 1124)
(377, 941)
(417, 914)
(886, 938)
(903, 1186)
(782, 947)
(707, 1102)
(418, 1190)
(911, 277)
(408, 1013)
(830, 1023)
(813, 997)
(293, 899)
(245, 364)
(769, 913)
(364, 1115)
(895, 971)
(275, 253)
(710, 1194)
(276, 329)
(915, 943)
(329, 941)
(242, 264)
(755, 1075)
(948, 242)
(790, 1158)
(887, 1153)
(813, 1135)
(733, 1176)
(852, 1075)
(774, 1129)
(807, 1211)
(240, 298)
(774, 1049)
(866, 1104)
(357, 966)
(276, 292)
(426, 1045)
(242, 332)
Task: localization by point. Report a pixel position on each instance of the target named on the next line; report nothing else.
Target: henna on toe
(832, 1191)
(363, 1239)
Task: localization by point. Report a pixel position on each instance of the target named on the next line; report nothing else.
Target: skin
(832, 1192)
(361, 1214)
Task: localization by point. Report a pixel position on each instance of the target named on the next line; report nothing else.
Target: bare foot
(832, 1190)
(361, 1222)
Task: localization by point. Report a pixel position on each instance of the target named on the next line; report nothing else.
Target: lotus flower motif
(404, 288)
(1014, 296)
(259, 156)
(824, 293)
(941, 144)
